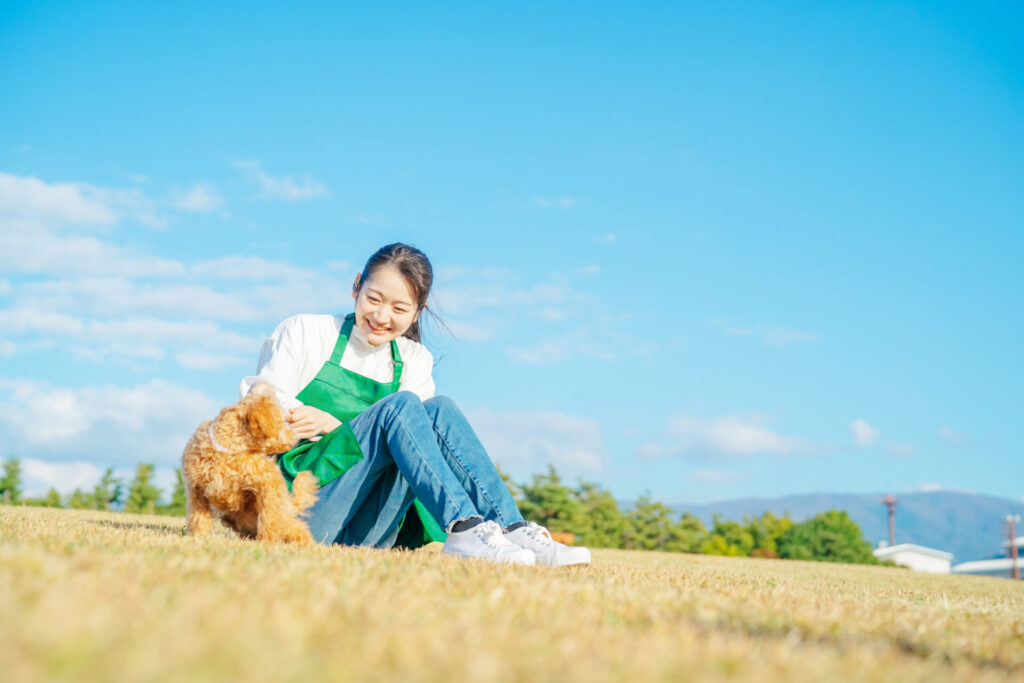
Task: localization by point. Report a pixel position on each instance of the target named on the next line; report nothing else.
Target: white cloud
(21, 320)
(729, 436)
(900, 450)
(782, 336)
(715, 476)
(342, 266)
(469, 331)
(953, 437)
(7, 348)
(30, 198)
(929, 487)
(607, 238)
(270, 301)
(40, 476)
(289, 188)
(733, 435)
(525, 442)
(555, 202)
(200, 198)
(557, 349)
(863, 433)
(104, 424)
(251, 268)
(198, 360)
(772, 335)
(31, 247)
(5, 287)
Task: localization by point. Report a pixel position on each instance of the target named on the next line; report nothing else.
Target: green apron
(345, 394)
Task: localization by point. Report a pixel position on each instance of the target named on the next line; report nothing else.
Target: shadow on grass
(159, 528)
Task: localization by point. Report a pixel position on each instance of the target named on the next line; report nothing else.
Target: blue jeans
(411, 449)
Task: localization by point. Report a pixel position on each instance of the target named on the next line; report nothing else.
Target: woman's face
(385, 306)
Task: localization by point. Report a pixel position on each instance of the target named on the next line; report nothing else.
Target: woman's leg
(396, 432)
(468, 459)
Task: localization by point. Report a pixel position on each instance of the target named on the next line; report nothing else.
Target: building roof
(1001, 564)
(1019, 542)
(911, 548)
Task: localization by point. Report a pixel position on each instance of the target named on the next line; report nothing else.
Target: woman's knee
(401, 401)
(440, 405)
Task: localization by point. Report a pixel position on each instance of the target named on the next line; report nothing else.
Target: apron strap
(339, 346)
(396, 359)
(339, 351)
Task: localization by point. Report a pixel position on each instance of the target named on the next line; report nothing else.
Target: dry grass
(113, 597)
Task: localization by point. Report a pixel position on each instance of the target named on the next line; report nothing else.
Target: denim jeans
(411, 449)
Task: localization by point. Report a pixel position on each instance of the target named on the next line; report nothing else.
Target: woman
(358, 392)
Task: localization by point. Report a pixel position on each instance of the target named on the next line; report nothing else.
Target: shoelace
(490, 533)
(539, 534)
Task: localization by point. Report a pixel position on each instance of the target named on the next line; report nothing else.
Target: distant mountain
(966, 524)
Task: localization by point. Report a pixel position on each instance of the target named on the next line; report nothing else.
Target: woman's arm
(280, 365)
(418, 374)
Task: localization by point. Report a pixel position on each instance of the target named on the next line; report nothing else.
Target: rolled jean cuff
(476, 519)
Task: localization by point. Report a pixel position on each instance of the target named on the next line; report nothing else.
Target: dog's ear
(264, 418)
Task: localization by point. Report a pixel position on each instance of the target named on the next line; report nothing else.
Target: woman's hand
(307, 422)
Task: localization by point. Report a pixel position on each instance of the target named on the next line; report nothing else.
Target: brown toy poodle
(228, 474)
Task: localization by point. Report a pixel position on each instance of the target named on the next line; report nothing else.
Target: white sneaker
(488, 542)
(549, 552)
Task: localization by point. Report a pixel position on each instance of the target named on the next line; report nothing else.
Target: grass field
(88, 596)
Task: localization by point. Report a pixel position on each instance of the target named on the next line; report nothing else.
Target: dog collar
(213, 441)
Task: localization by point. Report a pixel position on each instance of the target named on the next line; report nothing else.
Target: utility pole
(890, 503)
(1011, 531)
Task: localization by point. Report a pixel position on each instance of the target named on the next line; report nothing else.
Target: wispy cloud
(526, 442)
(556, 202)
(289, 188)
(26, 197)
(775, 336)
(607, 238)
(901, 450)
(715, 476)
(200, 198)
(863, 433)
(954, 438)
(105, 424)
(729, 436)
(41, 476)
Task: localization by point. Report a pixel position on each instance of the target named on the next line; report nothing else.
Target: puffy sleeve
(281, 362)
(418, 374)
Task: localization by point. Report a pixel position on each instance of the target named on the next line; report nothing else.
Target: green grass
(88, 596)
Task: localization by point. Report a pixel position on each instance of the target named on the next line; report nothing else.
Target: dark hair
(414, 267)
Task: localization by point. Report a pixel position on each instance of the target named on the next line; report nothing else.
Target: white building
(917, 557)
(1000, 566)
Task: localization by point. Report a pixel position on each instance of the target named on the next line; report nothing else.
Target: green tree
(830, 537)
(142, 494)
(10, 483)
(108, 491)
(727, 538)
(650, 525)
(52, 499)
(766, 531)
(177, 505)
(79, 500)
(549, 503)
(603, 521)
(687, 534)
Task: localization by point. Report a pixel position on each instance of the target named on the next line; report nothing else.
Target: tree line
(587, 510)
(140, 496)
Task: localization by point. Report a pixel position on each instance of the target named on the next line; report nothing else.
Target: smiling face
(385, 305)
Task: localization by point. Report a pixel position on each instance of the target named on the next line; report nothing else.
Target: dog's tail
(304, 490)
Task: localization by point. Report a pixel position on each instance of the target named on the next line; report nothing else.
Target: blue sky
(705, 252)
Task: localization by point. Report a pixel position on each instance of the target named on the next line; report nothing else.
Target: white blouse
(298, 348)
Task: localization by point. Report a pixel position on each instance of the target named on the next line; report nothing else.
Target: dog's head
(265, 423)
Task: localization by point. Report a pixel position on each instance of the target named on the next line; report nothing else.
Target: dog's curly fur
(239, 483)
